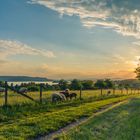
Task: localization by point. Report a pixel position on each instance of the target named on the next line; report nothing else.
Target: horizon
(88, 39)
(92, 79)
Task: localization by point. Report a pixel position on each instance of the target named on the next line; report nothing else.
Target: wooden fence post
(121, 91)
(40, 93)
(101, 91)
(127, 91)
(114, 90)
(80, 92)
(131, 91)
(6, 93)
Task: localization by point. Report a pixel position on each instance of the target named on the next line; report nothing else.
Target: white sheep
(23, 90)
(58, 97)
(2, 90)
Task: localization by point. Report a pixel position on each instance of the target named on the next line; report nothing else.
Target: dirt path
(66, 129)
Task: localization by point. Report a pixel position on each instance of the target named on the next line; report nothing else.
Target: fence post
(114, 90)
(6, 93)
(121, 91)
(131, 91)
(80, 92)
(101, 91)
(127, 91)
(40, 93)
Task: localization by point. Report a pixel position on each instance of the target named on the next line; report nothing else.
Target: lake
(37, 82)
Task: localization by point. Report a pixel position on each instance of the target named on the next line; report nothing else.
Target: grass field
(14, 98)
(28, 120)
(122, 123)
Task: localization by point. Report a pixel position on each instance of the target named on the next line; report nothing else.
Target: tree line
(76, 84)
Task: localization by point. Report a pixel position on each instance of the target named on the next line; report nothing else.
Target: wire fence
(9, 97)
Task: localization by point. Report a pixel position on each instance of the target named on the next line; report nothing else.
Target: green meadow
(14, 98)
(121, 123)
(24, 119)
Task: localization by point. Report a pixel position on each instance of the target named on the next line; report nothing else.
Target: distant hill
(22, 78)
(131, 82)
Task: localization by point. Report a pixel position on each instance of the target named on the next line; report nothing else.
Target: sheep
(58, 97)
(22, 90)
(2, 89)
(72, 95)
(109, 92)
(66, 93)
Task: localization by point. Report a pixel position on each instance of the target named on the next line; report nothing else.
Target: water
(37, 82)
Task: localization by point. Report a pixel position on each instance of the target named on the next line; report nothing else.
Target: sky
(83, 39)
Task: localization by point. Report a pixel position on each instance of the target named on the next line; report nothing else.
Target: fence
(9, 96)
(22, 94)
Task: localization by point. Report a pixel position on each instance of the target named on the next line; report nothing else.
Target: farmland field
(24, 119)
(122, 123)
(14, 98)
(70, 70)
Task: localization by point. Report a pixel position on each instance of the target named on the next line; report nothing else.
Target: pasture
(121, 123)
(24, 119)
(14, 98)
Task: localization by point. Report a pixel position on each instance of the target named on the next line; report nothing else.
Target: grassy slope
(16, 111)
(122, 123)
(41, 122)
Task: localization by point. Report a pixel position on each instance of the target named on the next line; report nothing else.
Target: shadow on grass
(121, 123)
(12, 112)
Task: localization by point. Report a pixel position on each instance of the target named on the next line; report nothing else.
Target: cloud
(61, 72)
(137, 43)
(2, 62)
(121, 15)
(9, 48)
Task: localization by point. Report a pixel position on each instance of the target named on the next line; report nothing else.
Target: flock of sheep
(55, 97)
(63, 96)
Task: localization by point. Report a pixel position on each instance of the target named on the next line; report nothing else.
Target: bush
(33, 88)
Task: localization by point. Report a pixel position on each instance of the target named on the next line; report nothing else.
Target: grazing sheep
(22, 90)
(2, 90)
(109, 92)
(66, 93)
(58, 97)
(63, 96)
(72, 95)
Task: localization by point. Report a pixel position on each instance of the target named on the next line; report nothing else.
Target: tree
(109, 84)
(2, 84)
(121, 87)
(75, 84)
(33, 88)
(137, 71)
(88, 84)
(63, 84)
(100, 84)
(127, 86)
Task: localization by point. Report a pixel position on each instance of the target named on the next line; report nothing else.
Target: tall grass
(121, 123)
(23, 123)
(14, 98)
